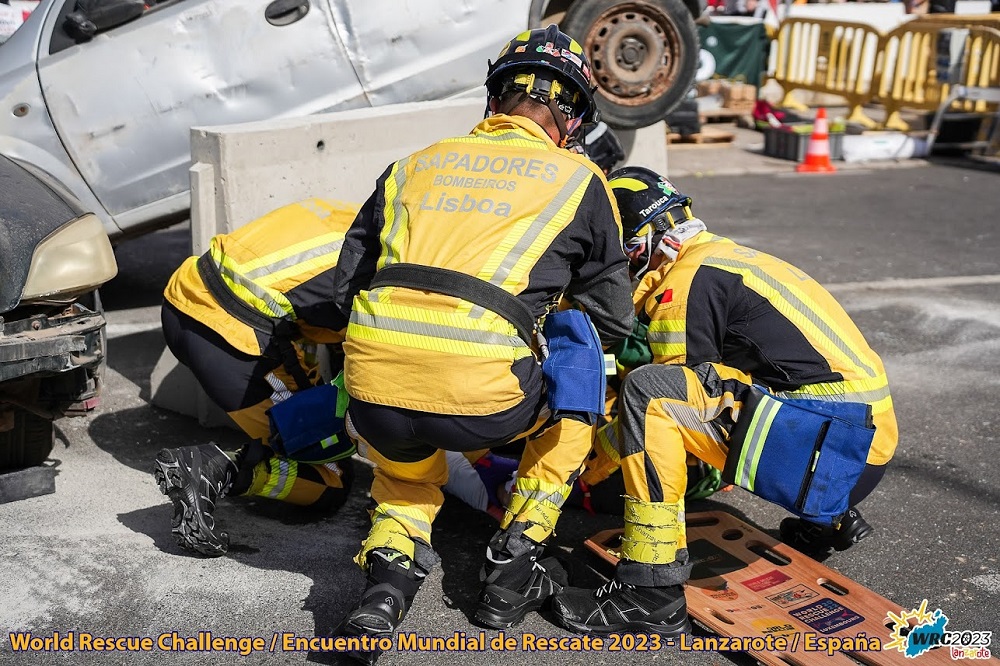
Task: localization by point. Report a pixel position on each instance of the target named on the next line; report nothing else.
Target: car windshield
(12, 16)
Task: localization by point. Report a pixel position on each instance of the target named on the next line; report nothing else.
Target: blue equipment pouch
(309, 426)
(803, 455)
(574, 367)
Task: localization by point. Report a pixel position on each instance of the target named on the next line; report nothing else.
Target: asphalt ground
(913, 256)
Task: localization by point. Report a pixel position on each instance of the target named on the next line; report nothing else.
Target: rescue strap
(654, 531)
(457, 284)
(282, 330)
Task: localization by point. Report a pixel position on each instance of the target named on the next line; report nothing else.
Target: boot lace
(608, 588)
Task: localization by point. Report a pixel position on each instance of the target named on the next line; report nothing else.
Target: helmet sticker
(519, 49)
(549, 48)
(564, 54)
(572, 57)
(666, 186)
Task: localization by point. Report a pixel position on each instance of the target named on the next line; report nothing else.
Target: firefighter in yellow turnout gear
(718, 318)
(246, 318)
(459, 251)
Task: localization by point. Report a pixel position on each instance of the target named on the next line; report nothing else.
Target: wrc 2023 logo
(916, 631)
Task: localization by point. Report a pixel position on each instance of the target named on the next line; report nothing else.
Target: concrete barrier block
(172, 386)
(257, 167)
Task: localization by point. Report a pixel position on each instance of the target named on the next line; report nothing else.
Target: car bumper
(50, 345)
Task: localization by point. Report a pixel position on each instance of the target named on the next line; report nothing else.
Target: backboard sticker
(764, 581)
(709, 560)
(793, 596)
(773, 626)
(722, 595)
(827, 616)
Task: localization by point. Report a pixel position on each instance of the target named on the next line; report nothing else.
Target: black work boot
(195, 478)
(818, 540)
(618, 607)
(516, 581)
(393, 581)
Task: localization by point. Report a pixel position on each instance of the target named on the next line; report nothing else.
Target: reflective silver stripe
(690, 418)
(503, 137)
(279, 487)
(253, 288)
(755, 440)
(532, 232)
(556, 498)
(853, 396)
(801, 307)
(399, 516)
(383, 322)
(608, 440)
(299, 258)
(666, 337)
(281, 392)
(398, 211)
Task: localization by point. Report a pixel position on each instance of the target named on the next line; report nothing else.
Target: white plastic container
(882, 146)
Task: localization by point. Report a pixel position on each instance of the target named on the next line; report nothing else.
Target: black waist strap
(230, 302)
(460, 285)
(281, 330)
(281, 327)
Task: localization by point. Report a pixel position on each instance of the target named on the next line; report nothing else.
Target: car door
(407, 50)
(124, 102)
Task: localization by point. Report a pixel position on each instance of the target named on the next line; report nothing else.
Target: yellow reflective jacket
(280, 266)
(724, 303)
(503, 204)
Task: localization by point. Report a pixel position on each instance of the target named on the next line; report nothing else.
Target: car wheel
(28, 443)
(644, 54)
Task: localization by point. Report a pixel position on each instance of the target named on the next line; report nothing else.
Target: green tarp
(740, 50)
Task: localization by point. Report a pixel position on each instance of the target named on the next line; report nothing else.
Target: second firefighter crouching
(720, 327)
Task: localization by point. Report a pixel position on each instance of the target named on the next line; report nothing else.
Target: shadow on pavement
(134, 355)
(272, 536)
(133, 436)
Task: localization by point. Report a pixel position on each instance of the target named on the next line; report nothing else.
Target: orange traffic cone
(818, 153)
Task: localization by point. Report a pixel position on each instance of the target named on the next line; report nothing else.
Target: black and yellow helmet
(547, 65)
(647, 198)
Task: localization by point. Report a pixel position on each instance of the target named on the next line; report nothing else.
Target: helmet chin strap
(565, 131)
(648, 252)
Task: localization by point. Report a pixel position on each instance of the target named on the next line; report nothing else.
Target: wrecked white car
(54, 257)
(101, 95)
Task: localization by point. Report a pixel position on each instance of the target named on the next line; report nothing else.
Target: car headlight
(75, 258)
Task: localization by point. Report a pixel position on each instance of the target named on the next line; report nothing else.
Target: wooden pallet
(707, 135)
(746, 584)
(722, 115)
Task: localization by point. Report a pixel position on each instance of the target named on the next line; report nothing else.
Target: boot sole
(188, 523)
(665, 630)
(846, 541)
(350, 629)
(498, 619)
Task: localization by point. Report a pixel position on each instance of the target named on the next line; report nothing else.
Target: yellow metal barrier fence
(908, 71)
(960, 20)
(829, 57)
(898, 69)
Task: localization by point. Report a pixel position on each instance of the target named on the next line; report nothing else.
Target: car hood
(29, 212)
